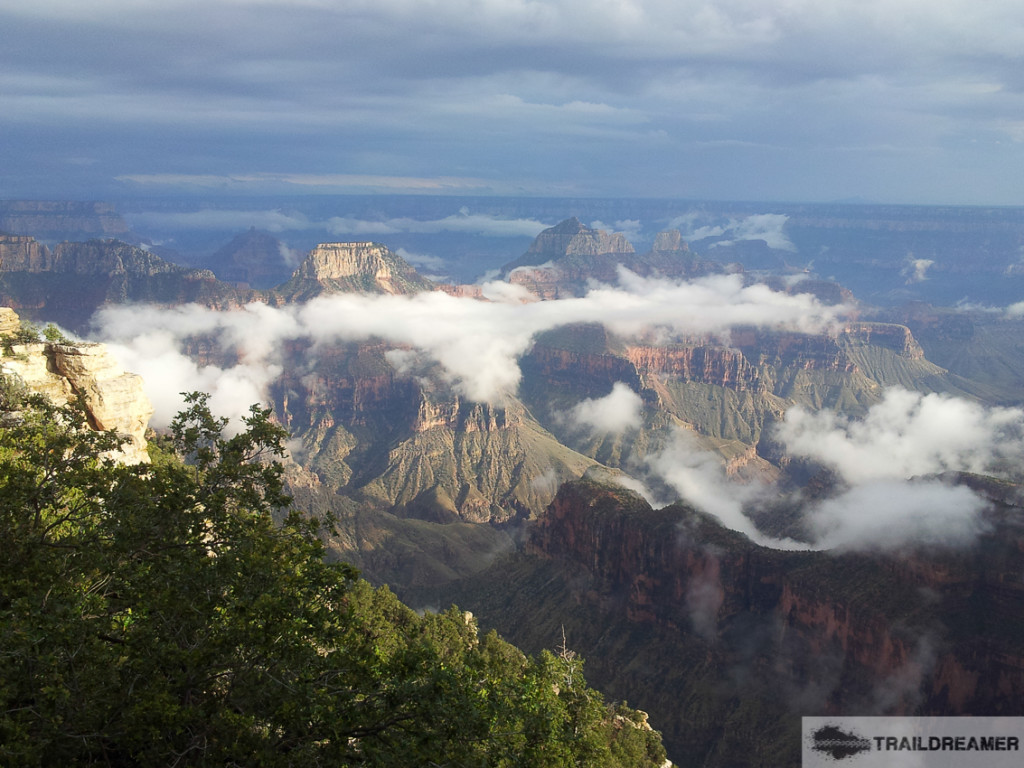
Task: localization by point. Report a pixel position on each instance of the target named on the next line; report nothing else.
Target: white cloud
(699, 478)
(464, 221)
(618, 411)
(769, 227)
(907, 434)
(916, 270)
(889, 514)
(438, 184)
(476, 343)
(1015, 310)
(630, 228)
(422, 260)
(281, 221)
(889, 496)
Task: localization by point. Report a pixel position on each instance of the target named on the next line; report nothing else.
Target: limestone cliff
(352, 267)
(113, 399)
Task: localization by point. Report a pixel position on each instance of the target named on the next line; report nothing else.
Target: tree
(179, 614)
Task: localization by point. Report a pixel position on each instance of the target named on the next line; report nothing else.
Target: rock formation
(21, 253)
(563, 260)
(352, 267)
(67, 284)
(113, 399)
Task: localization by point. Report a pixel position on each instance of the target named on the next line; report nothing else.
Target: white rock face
(114, 399)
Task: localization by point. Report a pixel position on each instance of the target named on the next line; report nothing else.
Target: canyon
(515, 510)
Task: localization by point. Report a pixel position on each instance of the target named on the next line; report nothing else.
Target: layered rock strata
(114, 400)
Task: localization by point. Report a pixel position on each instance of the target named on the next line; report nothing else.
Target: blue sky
(802, 100)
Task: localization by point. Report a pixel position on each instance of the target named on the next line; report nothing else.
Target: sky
(901, 101)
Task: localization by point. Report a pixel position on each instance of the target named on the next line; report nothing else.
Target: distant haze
(894, 101)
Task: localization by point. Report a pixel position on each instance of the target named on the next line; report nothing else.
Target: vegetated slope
(727, 644)
(984, 348)
(171, 615)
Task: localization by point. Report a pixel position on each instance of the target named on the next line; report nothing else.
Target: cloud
(618, 411)
(281, 221)
(699, 478)
(888, 461)
(477, 344)
(768, 227)
(729, 99)
(464, 221)
(423, 260)
(221, 219)
(889, 514)
(333, 182)
(907, 434)
(289, 256)
(1015, 310)
(889, 496)
(631, 228)
(916, 270)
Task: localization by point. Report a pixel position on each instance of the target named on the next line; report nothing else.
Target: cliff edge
(61, 371)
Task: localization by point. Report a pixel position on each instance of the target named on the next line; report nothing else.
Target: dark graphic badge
(838, 743)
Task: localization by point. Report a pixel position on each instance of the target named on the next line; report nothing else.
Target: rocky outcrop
(10, 323)
(462, 416)
(570, 238)
(20, 253)
(791, 349)
(898, 338)
(112, 257)
(591, 373)
(670, 241)
(352, 267)
(113, 399)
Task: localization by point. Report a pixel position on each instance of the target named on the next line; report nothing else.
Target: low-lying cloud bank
(476, 343)
(278, 221)
(769, 227)
(887, 463)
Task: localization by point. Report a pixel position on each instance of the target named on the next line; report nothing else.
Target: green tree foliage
(178, 614)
